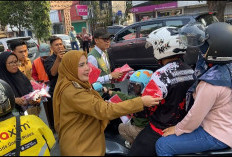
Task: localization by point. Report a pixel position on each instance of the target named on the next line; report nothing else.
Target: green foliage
(14, 13)
(3, 11)
(27, 14)
(106, 20)
(40, 19)
(94, 15)
(99, 18)
(127, 11)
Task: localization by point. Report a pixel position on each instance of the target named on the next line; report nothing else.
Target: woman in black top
(20, 84)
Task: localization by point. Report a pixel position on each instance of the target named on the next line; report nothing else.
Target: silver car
(66, 40)
(33, 48)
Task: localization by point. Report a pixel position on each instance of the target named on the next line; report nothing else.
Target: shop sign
(84, 17)
(154, 7)
(82, 10)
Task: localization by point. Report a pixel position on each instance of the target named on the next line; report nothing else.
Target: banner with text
(82, 10)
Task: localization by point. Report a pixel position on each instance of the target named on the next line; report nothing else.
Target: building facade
(146, 12)
(142, 12)
(77, 21)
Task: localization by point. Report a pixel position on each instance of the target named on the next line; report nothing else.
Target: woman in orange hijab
(80, 114)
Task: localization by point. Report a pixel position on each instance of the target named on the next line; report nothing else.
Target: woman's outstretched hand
(149, 101)
(169, 131)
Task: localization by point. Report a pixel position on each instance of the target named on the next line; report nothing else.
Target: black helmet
(7, 99)
(214, 41)
(219, 43)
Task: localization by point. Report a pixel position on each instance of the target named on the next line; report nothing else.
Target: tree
(106, 19)
(3, 11)
(94, 13)
(41, 23)
(218, 6)
(127, 11)
(27, 14)
(97, 17)
(16, 14)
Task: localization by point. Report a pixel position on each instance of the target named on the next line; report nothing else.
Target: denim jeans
(197, 141)
(74, 44)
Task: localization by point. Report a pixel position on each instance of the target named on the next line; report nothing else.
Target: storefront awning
(154, 7)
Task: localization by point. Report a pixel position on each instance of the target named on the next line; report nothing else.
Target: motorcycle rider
(207, 126)
(174, 79)
(137, 82)
(21, 135)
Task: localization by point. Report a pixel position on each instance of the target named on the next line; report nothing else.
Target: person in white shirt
(99, 58)
(73, 39)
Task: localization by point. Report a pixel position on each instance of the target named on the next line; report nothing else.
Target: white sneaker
(127, 144)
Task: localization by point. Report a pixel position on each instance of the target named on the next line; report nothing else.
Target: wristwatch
(110, 76)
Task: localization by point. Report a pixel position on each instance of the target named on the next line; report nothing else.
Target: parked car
(33, 48)
(229, 20)
(128, 45)
(66, 40)
(114, 29)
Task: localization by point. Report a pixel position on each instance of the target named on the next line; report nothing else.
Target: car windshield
(207, 19)
(64, 37)
(113, 30)
(128, 34)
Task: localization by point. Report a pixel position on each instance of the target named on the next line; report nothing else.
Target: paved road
(56, 151)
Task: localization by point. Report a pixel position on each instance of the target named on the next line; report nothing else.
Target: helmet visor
(135, 89)
(192, 35)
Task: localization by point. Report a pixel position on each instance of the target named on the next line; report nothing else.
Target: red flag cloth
(36, 85)
(94, 73)
(152, 89)
(125, 69)
(115, 99)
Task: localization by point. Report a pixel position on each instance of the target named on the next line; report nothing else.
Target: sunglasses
(106, 39)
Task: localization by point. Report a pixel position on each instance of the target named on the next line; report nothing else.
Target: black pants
(144, 144)
(86, 46)
(49, 113)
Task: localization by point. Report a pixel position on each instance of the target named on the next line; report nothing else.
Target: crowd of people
(192, 115)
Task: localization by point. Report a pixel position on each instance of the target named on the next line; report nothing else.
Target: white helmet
(165, 42)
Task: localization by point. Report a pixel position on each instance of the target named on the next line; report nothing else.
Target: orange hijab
(67, 71)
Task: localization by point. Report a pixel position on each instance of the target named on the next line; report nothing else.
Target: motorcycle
(115, 144)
